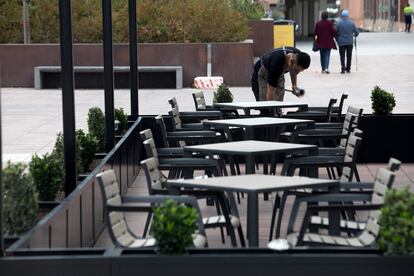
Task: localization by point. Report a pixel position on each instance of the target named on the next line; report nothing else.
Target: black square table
(250, 124)
(248, 106)
(252, 185)
(250, 149)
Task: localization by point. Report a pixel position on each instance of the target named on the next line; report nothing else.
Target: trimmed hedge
(159, 20)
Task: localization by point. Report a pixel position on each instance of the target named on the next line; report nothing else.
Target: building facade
(369, 15)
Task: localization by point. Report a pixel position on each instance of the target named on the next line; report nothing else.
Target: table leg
(250, 164)
(252, 219)
(334, 216)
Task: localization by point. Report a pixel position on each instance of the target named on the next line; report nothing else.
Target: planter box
(217, 262)
(385, 137)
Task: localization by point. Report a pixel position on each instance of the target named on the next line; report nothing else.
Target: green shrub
(96, 126)
(48, 173)
(20, 199)
(59, 152)
(396, 235)
(88, 146)
(172, 227)
(383, 102)
(223, 95)
(122, 118)
(252, 10)
(159, 20)
(11, 30)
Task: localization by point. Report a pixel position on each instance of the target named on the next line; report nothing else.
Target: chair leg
(280, 214)
(276, 205)
(221, 227)
(241, 236)
(147, 223)
(355, 169)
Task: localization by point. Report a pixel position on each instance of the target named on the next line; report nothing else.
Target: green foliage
(47, 172)
(396, 235)
(190, 21)
(59, 152)
(11, 29)
(96, 126)
(159, 20)
(383, 102)
(20, 199)
(122, 118)
(88, 146)
(252, 10)
(223, 95)
(172, 227)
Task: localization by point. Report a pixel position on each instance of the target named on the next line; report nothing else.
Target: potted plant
(172, 227)
(20, 201)
(96, 126)
(122, 119)
(223, 95)
(383, 130)
(47, 172)
(396, 235)
(383, 102)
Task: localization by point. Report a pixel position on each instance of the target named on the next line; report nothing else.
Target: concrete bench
(39, 72)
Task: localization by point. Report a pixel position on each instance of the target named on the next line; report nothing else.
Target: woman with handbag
(324, 40)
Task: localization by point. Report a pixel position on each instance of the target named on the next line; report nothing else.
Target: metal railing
(79, 220)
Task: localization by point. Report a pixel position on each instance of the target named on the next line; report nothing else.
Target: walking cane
(356, 55)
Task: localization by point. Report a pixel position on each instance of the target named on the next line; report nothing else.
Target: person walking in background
(346, 30)
(408, 11)
(324, 37)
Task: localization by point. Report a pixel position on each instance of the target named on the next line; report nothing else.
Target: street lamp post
(26, 22)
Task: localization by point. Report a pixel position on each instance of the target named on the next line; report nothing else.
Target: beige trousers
(279, 92)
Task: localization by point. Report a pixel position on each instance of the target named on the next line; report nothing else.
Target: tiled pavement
(32, 118)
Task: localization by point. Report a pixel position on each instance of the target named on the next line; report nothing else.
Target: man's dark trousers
(346, 49)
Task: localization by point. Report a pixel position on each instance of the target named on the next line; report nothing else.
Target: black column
(108, 75)
(133, 58)
(1, 184)
(68, 99)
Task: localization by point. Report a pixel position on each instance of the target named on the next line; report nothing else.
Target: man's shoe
(348, 71)
(327, 72)
(342, 71)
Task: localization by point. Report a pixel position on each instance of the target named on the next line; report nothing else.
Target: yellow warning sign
(284, 35)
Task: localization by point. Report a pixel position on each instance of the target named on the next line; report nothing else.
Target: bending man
(268, 81)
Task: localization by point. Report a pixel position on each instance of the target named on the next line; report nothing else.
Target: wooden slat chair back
(155, 178)
(351, 121)
(159, 120)
(199, 101)
(175, 115)
(118, 229)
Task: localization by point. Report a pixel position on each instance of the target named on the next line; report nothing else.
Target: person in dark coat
(324, 36)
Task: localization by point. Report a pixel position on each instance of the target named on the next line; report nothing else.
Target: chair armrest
(325, 197)
(346, 207)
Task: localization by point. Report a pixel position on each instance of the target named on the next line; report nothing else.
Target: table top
(253, 183)
(257, 122)
(249, 146)
(260, 104)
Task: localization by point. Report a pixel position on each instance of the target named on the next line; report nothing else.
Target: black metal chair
(365, 238)
(115, 206)
(228, 215)
(313, 163)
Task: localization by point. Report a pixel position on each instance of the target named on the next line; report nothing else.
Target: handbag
(314, 47)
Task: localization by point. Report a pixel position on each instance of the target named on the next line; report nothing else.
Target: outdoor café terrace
(292, 187)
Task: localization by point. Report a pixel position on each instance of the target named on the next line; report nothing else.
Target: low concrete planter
(232, 61)
(218, 262)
